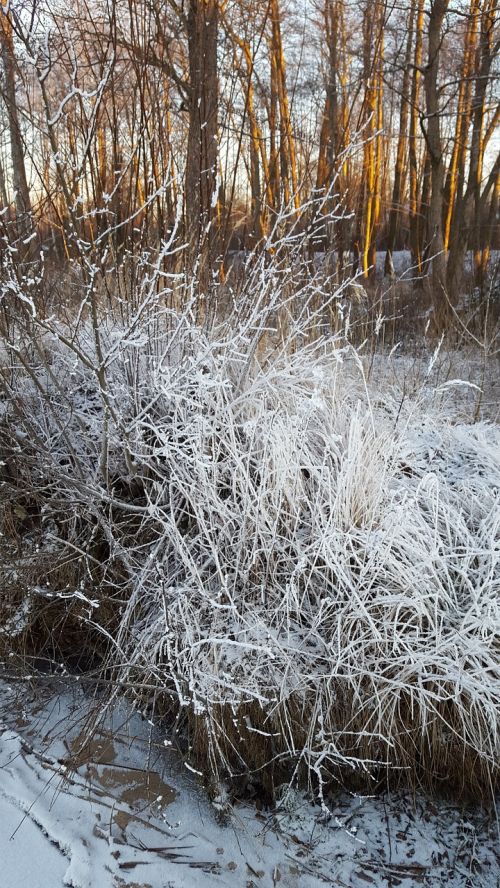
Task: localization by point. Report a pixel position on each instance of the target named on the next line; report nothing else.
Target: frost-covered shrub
(305, 574)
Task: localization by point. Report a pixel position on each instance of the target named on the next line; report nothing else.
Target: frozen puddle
(136, 787)
(118, 809)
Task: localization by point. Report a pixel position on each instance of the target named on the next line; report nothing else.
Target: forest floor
(117, 806)
(119, 809)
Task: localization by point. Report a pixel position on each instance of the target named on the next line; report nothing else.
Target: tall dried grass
(303, 574)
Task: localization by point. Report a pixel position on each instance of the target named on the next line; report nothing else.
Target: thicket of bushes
(300, 575)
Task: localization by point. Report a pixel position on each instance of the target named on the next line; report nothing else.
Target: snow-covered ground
(462, 384)
(119, 809)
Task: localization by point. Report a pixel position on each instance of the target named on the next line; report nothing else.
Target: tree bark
(369, 204)
(19, 179)
(287, 153)
(471, 206)
(399, 176)
(435, 148)
(202, 198)
(334, 126)
(414, 218)
(453, 192)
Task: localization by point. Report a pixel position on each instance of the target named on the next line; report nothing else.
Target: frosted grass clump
(307, 571)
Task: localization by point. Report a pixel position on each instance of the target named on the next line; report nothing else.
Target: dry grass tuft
(305, 573)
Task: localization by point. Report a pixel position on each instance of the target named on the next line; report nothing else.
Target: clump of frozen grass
(323, 589)
(305, 573)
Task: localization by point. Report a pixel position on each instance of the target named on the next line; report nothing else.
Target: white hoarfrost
(113, 809)
(302, 565)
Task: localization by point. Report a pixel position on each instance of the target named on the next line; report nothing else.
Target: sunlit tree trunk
(373, 53)
(287, 152)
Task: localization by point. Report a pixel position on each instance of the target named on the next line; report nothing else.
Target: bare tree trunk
(490, 226)
(274, 189)
(398, 188)
(334, 123)
(202, 199)
(435, 148)
(258, 154)
(101, 177)
(369, 204)
(415, 222)
(323, 168)
(471, 206)
(257, 210)
(3, 187)
(20, 182)
(330, 139)
(453, 192)
(288, 157)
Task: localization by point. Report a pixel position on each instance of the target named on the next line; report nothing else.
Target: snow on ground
(119, 810)
(461, 384)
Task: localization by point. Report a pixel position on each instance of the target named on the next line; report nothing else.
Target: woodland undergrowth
(220, 516)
